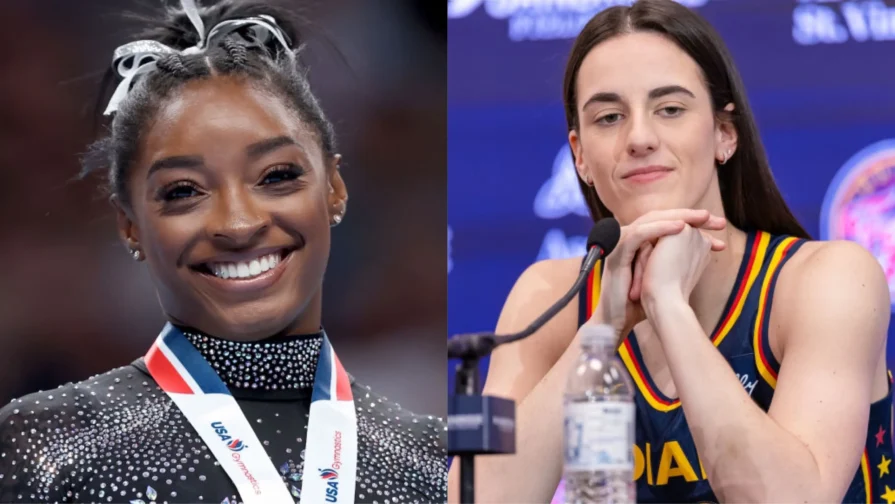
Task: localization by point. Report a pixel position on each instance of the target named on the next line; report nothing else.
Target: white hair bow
(139, 57)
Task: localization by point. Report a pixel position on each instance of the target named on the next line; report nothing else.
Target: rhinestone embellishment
(261, 365)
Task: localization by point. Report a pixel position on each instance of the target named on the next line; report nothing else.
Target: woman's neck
(711, 293)
(278, 363)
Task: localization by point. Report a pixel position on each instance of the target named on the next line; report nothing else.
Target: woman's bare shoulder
(826, 277)
(515, 368)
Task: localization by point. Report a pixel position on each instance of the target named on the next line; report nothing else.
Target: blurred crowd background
(73, 303)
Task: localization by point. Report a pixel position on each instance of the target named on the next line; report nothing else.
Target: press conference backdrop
(820, 76)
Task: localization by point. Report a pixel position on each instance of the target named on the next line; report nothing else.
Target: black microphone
(601, 241)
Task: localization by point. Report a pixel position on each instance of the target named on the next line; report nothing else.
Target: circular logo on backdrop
(860, 205)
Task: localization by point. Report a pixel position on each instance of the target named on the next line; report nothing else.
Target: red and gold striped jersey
(667, 466)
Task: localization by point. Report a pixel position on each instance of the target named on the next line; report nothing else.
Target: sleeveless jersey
(666, 465)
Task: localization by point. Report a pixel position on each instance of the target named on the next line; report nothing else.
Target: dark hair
(271, 66)
(750, 195)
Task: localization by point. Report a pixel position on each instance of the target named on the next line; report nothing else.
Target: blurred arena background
(73, 303)
(820, 75)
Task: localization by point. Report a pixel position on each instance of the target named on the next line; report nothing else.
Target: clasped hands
(660, 256)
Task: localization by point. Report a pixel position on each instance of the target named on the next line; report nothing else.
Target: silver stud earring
(136, 254)
(337, 219)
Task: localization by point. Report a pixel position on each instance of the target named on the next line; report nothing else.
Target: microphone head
(605, 234)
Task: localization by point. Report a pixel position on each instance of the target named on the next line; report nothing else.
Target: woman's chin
(250, 323)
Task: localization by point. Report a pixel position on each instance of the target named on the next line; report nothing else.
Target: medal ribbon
(331, 450)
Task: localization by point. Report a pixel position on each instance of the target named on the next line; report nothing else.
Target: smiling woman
(230, 198)
(224, 173)
(756, 355)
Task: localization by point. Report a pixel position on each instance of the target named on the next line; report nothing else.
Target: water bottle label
(599, 436)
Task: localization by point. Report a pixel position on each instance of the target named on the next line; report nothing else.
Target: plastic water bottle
(599, 424)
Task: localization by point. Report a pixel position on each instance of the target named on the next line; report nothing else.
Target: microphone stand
(476, 413)
(486, 425)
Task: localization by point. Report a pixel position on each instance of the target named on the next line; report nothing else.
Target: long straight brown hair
(751, 198)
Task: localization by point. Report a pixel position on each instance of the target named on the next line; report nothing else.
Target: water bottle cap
(593, 334)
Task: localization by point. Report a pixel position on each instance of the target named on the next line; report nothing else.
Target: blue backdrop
(820, 76)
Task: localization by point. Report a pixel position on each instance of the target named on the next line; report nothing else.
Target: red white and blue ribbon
(331, 450)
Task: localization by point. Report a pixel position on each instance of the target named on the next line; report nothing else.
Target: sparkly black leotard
(118, 437)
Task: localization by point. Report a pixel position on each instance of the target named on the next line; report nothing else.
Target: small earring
(136, 254)
(726, 157)
(337, 219)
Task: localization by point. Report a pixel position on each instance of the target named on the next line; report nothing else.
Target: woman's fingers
(641, 259)
(654, 225)
(639, 234)
(714, 223)
(717, 245)
(702, 219)
(634, 292)
(639, 267)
